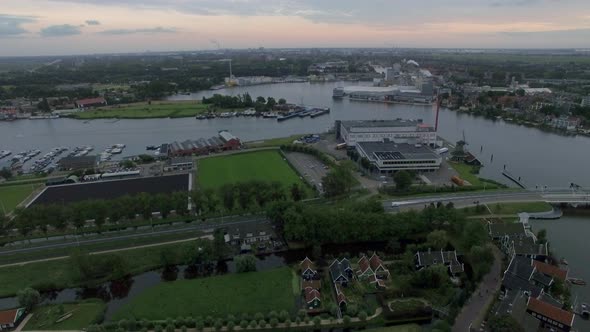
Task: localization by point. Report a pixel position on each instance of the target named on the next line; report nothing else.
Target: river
(540, 158)
(568, 238)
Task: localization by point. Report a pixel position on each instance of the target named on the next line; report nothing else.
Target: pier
(513, 178)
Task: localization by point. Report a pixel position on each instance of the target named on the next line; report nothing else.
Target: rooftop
(550, 270)
(397, 151)
(510, 229)
(357, 125)
(550, 311)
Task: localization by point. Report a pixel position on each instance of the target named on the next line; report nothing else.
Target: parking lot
(309, 168)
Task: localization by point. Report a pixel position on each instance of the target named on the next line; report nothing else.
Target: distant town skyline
(59, 27)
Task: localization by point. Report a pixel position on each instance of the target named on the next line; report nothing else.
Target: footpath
(477, 305)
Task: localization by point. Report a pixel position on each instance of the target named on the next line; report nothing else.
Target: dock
(514, 179)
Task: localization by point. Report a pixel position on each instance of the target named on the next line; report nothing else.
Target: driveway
(475, 309)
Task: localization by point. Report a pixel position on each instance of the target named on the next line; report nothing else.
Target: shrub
(244, 324)
(190, 322)
(253, 323)
(283, 315)
(158, 328)
(200, 325)
(346, 319)
(259, 316)
(363, 316)
(183, 328)
(262, 323)
(288, 322)
(218, 325)
(274, 322)
(230, 325)
(297, 321)
(208, 321)
(170, 328)
(317, 321)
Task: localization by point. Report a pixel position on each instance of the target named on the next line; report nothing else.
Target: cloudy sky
(47, 27)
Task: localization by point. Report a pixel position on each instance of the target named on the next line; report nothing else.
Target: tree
(228, 197)
(219, 245)
(403, 180)
(317, 321)
(245, 263)
(297, 192)
(28, 298)
(338, 181)
(282, 101)
(6, 173)
(504, 323)
(43, 106)
(363, 316)
(542, 236)
(437, 239)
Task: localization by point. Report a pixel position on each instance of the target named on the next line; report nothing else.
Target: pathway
(23, 323)
(476, 307)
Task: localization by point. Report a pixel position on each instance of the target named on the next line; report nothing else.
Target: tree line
(230, 198)
(261, 104)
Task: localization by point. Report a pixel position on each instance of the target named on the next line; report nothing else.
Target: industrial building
(420, 94)
(400, 131)
(225, 141)
(389, 157)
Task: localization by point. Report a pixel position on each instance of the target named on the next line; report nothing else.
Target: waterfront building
(566, 122)
(10, 319)
(91, 102)
(425, 259)
(400, 131)
(389, 157)
(552, 318)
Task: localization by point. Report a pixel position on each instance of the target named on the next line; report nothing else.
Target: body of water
(568, 238)
(540, 158)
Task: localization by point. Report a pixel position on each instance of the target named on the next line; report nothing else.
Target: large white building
(389, 157)
(400, 131)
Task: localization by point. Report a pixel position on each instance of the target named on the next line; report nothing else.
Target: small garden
(67, 316)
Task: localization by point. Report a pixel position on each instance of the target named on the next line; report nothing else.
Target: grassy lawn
(59, 273)
(83, 314)
(466, 173)
(214, 172)
(11, 196)
(273, 141)
(398, 328)
(216, 296)
(163, 109)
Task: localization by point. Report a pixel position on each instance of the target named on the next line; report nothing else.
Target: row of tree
(245, 196)
(261, 104)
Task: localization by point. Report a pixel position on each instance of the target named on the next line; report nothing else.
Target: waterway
(540, 158)
(568, 238)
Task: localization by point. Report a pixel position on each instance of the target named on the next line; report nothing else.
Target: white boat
(116, 151)
(5, 153)
(119, 146)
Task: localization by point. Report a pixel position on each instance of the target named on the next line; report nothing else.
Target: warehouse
(389, 157)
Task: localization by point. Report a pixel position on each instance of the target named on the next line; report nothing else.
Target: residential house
(312, 298)
(552, 318)
(313, 284)
(551, 270)
(341, 272)
(498, 231)
(448, 258)
(364, 271)
(230, 142)
(522, 276)
(308, 270)
(566, 122)
(381, 272)
(379, 283)
(340, 298)
(525, 246)
(9, 319)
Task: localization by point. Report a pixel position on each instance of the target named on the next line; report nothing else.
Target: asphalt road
(461, 200)
(310, 168)
(195, 227)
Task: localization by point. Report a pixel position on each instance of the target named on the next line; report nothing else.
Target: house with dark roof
(9, 319)
(308, 269)
(552, 318)
(515, 303)
(424, 259)
(522, 276)
(524, 246)
(312, 298)
(499, 231)
(341, 272)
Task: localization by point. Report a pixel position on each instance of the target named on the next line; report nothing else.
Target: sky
(61, 27)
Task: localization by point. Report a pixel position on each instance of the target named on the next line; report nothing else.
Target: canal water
(568, 238)
(538, 157)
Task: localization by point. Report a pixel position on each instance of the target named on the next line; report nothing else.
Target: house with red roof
(552, 271)
(91, 102)
(364, 271)
(340, 297)
(312, 298)
(378, 268)
(551, 317)
(9, 319)
(379, 283)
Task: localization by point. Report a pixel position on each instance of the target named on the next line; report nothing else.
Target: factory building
(389, 157)
(400, 131)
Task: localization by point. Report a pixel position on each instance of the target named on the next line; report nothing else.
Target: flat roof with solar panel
(397, 151)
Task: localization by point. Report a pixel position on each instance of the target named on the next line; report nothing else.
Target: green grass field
(165, 109)
(465, 172)
(514, 208)
(83, 314)
(11, 196)
(215, 296)
(261, 165)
